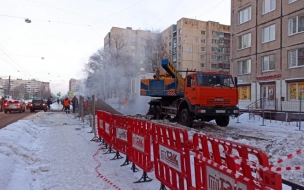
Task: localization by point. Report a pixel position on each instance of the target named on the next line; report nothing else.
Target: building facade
(268, 52)
(200, 45)
(23, 89)
(74, 85)
(134, 43)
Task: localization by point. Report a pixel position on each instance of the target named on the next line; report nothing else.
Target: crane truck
(203, 96)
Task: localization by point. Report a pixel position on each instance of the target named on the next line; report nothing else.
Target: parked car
(38, 105)
(28, 103)
(14, 105)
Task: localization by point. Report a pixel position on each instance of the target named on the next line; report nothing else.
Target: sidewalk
(52, 150)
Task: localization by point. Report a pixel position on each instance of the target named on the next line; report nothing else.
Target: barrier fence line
(289, 156)
(171, 159)
(139, 142)
(171, 155)
(99, 174)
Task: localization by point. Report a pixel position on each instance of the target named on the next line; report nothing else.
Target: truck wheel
(157, 112)
(5, 111)
(186, 118)
(222, 121)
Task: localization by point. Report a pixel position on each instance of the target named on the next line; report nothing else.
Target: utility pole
(9, 85)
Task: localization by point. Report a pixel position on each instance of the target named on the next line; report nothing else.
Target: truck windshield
(214, 80)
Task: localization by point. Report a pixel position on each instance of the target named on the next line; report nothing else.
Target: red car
(14, 105)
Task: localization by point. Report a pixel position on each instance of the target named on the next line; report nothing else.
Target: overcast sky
(55, 46)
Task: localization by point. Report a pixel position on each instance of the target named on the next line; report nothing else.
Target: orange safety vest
(66, 103)
(85, 104)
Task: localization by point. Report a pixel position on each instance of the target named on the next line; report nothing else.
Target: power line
(64, 10)
(57, 22)
(11, 65)
(7, 54)
(213, 8)
(117, 12)
(168, 12)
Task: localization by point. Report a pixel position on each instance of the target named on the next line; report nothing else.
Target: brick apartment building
(267, 52)
(200, 45)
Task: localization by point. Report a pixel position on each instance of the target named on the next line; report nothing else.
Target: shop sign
(268, 77)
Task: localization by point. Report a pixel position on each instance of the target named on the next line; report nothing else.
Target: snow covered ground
(52, 150)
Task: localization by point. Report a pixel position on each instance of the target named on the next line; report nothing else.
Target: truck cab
(211, 95)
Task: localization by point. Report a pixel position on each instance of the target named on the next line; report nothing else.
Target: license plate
(220, 111)
(37, 104)
(11, 106)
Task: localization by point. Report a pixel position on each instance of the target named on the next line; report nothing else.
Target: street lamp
(28, 20)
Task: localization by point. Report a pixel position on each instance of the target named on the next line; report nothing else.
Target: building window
(244, 67)
(296, 25)
(214, 41)
(203, 32)
(294, 90)
(244, 41)
(268, 6)
(244, 92)
(245, 15)
(179, 39)
(268, 33)
(133, 40)
(296, 57)
(291, 1)
(132, 47)
(214, 49)
(189, 50)
(214, 57)
(202, 48)
(203, 41)
(214, 66)
(202, 57)
(180, 31)
(202, 65)
(268, 63)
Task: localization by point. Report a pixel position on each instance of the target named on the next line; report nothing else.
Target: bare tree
(108, 72)
(18, 91)
(156, 51)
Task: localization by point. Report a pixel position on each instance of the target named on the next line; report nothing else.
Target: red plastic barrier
(234, 168)
(120, 133)
(107, 128)
(171, 157)
(139, 141)
(100, 130)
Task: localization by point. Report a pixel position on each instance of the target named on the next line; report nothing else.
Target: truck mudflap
(216, 111)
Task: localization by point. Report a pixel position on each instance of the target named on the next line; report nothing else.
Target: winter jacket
(66, 102)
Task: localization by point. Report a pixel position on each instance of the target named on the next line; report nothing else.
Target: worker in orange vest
(66, 104)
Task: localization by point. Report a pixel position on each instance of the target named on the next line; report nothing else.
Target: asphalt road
(6, 119)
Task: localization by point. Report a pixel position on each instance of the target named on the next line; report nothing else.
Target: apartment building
(23, 88)
(133, 42)
(200, 45)
(267, 52)
(74, 85)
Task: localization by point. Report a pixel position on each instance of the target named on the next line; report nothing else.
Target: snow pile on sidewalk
(53, 151)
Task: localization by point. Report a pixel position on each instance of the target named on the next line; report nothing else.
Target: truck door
(191, 90)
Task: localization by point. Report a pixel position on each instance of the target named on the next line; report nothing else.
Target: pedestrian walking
(66, 104)
(49, 102)
(58, 101)
(74, 103)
